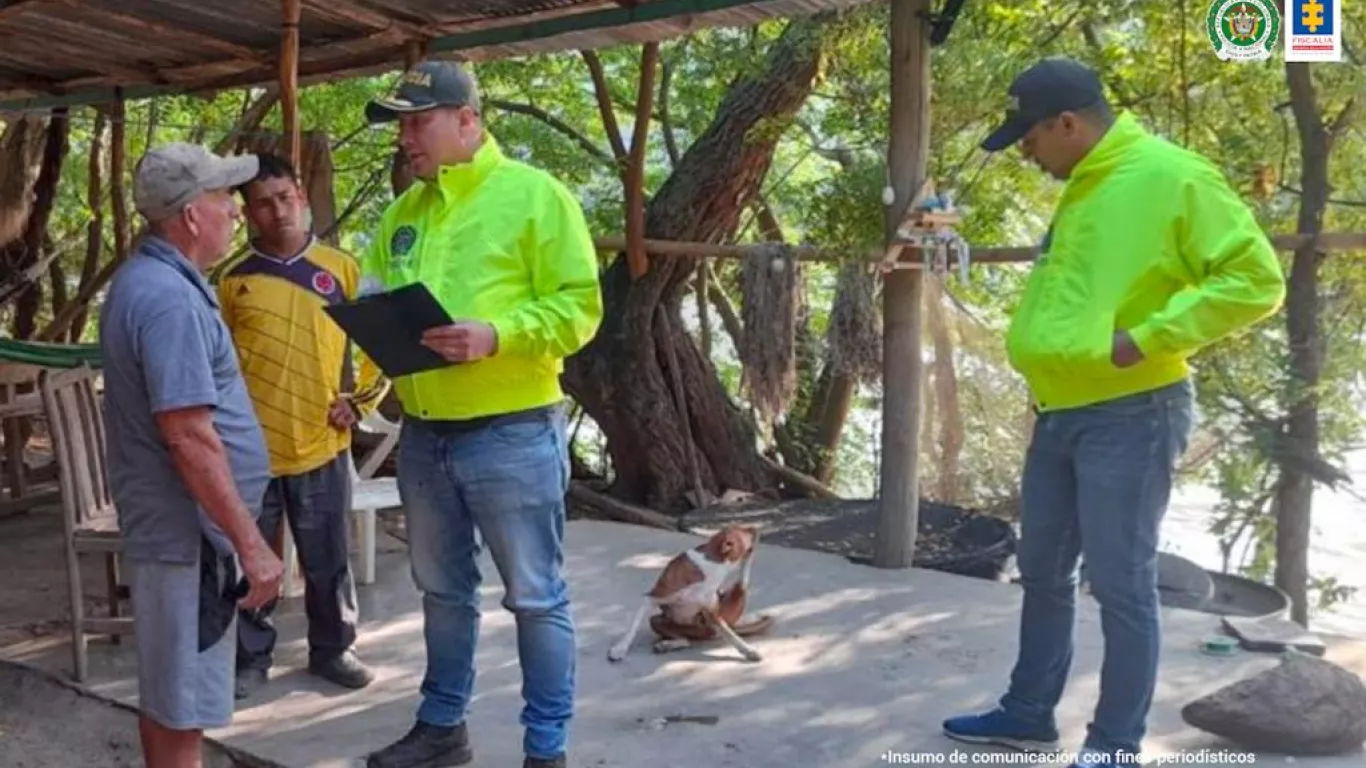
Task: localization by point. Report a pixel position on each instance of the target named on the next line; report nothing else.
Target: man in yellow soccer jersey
(297, 365)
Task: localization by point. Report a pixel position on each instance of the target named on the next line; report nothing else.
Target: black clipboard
(388, 327)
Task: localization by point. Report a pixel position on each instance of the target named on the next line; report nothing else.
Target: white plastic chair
(369, 494)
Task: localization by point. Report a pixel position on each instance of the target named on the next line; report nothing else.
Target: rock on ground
(1304, 706)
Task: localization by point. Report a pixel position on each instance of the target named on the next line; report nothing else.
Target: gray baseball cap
(171, 175)
(428, 85)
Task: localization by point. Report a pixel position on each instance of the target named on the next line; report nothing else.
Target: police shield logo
(401, 245)
(1243, 30)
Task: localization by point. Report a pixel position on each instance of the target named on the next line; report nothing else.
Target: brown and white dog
(701, 596)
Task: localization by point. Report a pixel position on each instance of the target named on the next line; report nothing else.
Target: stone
(1303, 706)
(1273, 633)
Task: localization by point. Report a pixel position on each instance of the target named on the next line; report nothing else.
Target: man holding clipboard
(505, 251)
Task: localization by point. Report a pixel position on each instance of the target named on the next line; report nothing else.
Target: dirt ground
(34, 601)
(44, 724)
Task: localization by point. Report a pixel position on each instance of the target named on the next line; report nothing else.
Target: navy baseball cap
(1047, 89)
(429, 85)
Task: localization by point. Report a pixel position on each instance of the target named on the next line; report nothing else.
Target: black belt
(446, 427)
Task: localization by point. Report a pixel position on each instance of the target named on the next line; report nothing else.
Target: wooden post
(289, 79)
(907, 159)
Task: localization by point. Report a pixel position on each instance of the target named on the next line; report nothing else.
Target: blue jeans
(502, 485)
(1096, 483)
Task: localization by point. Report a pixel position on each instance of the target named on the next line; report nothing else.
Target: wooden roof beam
(100, 70)
(500, 33)
(155, 27)
(351, 13)
(17, 7)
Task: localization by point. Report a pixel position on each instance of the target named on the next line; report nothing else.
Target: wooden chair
(76, 422)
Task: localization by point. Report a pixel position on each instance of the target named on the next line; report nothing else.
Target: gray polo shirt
(164, 346)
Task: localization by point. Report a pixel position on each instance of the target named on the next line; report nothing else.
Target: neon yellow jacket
(1149, 238)
(499, 241)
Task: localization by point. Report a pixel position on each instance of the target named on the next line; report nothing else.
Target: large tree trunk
(21, 254)
(623, 378)
(1295, 488)
(21, 147)
(94, 230)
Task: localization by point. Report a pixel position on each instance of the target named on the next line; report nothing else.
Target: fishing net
(854, 336)
(771, 282)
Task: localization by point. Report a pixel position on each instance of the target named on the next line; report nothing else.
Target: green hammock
(49, 355)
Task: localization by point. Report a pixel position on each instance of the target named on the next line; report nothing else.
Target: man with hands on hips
(505, 249)
(1150, 256)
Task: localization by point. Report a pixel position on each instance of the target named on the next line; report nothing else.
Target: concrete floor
(860, 670)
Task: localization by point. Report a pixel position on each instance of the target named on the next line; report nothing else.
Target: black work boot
(544, 762)
(344, 669)
(426, 746)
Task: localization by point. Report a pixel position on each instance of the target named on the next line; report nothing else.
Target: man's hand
(263, 571)
(203, 465)
(340, 415)
(462, 341)
(1123, 351)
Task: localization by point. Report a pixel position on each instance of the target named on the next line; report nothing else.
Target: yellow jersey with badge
(296, 361)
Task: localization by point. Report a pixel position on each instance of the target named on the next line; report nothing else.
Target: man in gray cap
(1150, 256)
(187, 460)
(503, 247)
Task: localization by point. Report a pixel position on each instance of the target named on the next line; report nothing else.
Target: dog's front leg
(618, 651)
(735, 640)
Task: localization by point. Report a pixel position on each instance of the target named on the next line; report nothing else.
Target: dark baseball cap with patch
(429, 85)
(1047, 89)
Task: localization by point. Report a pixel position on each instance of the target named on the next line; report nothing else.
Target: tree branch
(842, 156)
(609, 117)
(666, 72)
(1343, 119)
(730, 319)
(616, 509)
(1331, 200)
(1059, 28)
(556, 123)
(252, 115)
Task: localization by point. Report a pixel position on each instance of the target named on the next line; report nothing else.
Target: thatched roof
(73, 52)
